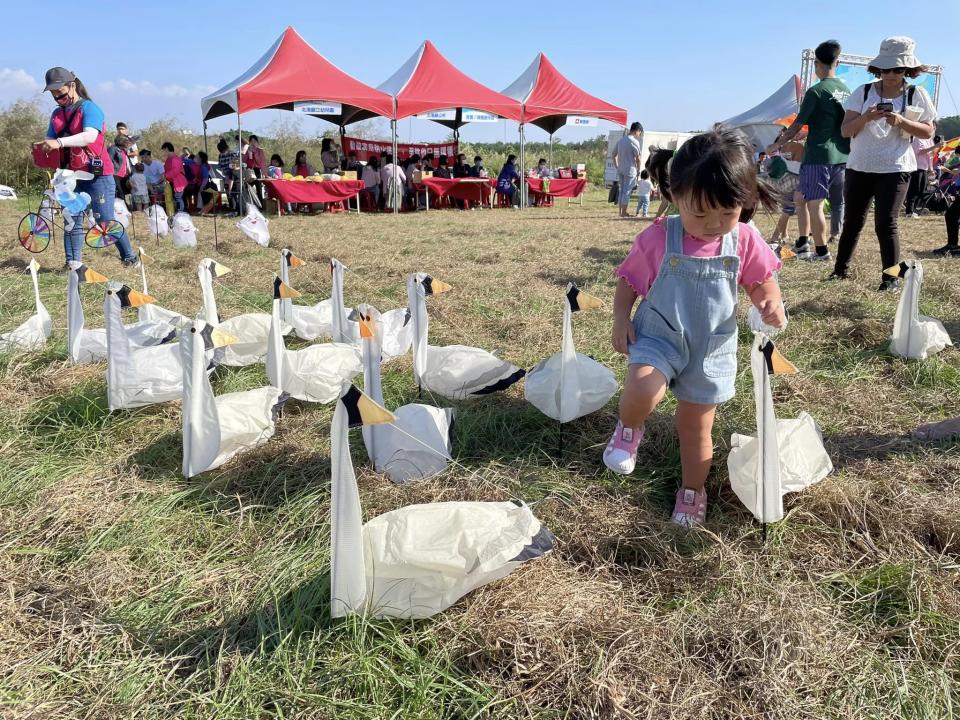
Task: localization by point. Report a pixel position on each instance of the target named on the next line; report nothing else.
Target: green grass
(130, 591)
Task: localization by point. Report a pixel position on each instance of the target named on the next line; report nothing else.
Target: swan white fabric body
(785, 455)
(31, 334)
(915, 336)
(418, 560)
(417, 444)
(86, 346)
(216, 428)
(568, 385)
(315, 373)
(453, 371)
(151, 312)
(137, 376)
(250, 329)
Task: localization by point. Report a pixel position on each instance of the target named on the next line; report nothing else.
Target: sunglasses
(895, 71)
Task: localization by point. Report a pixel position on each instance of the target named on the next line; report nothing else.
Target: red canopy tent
(292, 71)
(549, 99)
(428, 82)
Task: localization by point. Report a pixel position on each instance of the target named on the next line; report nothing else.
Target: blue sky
(674, 66)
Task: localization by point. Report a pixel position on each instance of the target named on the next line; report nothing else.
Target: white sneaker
(914, 215)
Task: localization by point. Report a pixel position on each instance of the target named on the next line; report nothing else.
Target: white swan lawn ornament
(417, 444)
(308, 321)
(151, 312)
(568, 385)
(914, 335)
(90, 346)
(418, 560)
(216, 428)
(453, 371)
(785, 456)
(249, 329)
(32, 333)
(137, 376)
(315, 373)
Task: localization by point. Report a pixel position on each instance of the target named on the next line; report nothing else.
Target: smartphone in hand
(885, 106)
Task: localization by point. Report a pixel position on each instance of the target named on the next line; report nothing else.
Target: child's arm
(623, 301)
(767, 299)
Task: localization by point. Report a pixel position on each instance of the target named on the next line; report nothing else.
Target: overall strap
(731, 241)
(674, 235)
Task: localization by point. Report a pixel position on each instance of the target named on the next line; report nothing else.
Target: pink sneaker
(690, 510)
(621, 453)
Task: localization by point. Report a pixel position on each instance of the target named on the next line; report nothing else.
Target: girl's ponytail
(81, 89)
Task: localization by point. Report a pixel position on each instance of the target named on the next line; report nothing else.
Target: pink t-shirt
(173, 171)
(757, 261)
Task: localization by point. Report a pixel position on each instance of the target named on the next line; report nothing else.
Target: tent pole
(242, 178)
(551, 151)
(523, 169)
(396, 162)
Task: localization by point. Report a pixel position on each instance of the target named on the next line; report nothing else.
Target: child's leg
(695, 430)
(644, 388)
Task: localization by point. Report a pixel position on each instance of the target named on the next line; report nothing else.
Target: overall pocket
(651, 325)
(721, 358)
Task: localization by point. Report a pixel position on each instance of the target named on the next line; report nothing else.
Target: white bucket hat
(896, 52)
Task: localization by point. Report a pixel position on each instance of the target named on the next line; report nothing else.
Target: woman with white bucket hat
(881, 119)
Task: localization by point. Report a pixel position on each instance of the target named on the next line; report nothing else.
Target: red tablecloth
(296, 191)
(559, 187)
(475, 189)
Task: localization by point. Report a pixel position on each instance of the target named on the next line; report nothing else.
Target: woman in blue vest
(77, 131)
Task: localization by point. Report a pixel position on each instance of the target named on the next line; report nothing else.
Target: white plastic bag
(157, 220)
(914, 335)
(254, 226)
(121, 213)
(184, 231)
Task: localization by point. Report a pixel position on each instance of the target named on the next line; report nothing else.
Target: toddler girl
(684, 333)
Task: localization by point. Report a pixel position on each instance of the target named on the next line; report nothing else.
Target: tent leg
(523, 169)
(551, 151)
(239, 181)
(396, 163)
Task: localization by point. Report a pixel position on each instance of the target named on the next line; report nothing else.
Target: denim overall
(686, 327)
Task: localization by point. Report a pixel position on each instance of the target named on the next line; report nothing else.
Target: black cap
(57, 77)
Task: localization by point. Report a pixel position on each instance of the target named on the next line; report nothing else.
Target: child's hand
(623, 334)
(771, 312)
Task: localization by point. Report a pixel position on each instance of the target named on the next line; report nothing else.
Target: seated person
(442, 170)
(351, 163)
(542, 170)
(477, 170)
(371, 180)
(508, 179)
(460, 167)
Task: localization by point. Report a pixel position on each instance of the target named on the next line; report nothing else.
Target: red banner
(365, 148)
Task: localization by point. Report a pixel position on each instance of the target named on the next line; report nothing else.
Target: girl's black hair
(279, 160)
(716, 169)
(168, 146)
(326, 145)
(81, 89)
(204, 159)
(301, 158)
(222, 146)
(658, 166)
(374, 162)
(511, 158)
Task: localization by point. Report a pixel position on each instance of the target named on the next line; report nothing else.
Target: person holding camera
(77, 130)
(881, 120)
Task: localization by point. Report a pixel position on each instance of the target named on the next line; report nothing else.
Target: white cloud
(16, 83)
(146, 88)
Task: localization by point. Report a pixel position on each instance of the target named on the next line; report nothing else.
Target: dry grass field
(130, 592)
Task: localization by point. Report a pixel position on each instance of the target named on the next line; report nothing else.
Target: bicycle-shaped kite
(36, 229)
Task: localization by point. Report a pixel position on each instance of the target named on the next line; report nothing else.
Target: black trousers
(917, 192)
(952, 219)
(888, 191)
